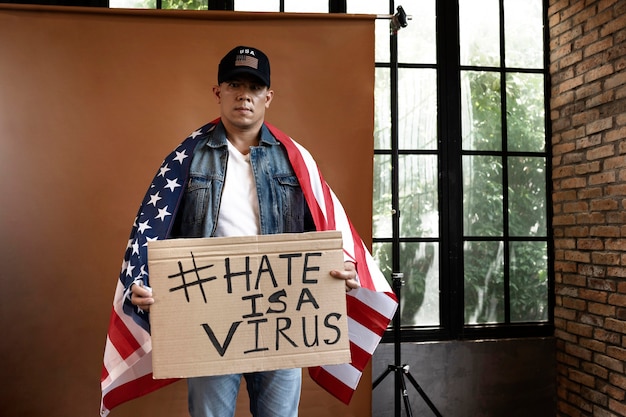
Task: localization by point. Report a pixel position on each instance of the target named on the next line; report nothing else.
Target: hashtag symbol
(194, 272)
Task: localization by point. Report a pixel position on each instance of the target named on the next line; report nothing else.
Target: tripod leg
(381, 377)
(405, 394)
(422, 393)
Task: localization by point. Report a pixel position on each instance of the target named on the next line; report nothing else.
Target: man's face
(243, 101)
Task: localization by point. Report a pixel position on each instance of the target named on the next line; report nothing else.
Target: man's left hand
(348, 274)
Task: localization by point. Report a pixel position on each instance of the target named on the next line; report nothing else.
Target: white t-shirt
(239, 205)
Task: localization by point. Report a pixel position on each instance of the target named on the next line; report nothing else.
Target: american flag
(246, 61)
(127, 370)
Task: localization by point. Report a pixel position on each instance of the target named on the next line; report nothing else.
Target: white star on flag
(135, 247)
(172, 184)
(150, 239)
(154, 198)
(180, 156)
(162, 213)
(129, 269)
(163, 170)
(144, 226)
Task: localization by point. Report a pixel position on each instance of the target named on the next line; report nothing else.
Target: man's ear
(217, 92)
(268, 98)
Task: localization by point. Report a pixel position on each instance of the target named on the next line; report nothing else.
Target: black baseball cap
(244, 60)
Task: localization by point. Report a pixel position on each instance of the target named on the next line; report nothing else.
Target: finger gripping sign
(245, 304)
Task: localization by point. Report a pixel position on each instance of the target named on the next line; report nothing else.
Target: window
(461, 183)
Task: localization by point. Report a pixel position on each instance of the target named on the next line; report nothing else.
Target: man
(240, 183)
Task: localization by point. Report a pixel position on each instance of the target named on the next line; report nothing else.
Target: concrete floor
(493, 378)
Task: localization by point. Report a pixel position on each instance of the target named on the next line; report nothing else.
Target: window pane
(481, 105)
(381, 210)
(419, 261)
(527, 196)
(368, 7)
(479, 22)
(484, 282)
(381, 33)
(165, 4)
(185, 4)
(525, 111)
(419, 216)
(382, 112)
(529, 281)
(416, 42)
(482, 196)
(257, 5)
(133, 4)
(382, 254)
(309, 6)
(523, 33)
(417, 109)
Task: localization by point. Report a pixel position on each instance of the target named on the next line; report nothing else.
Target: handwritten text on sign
(243, 304)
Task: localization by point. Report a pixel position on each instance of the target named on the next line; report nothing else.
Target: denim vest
(282, 207)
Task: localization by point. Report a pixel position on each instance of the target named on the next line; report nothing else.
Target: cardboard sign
(244, 304)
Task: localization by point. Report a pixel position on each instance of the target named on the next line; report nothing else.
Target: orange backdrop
(91, 101)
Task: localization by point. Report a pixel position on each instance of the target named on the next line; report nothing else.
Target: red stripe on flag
(360, 358)
(121, 337)
(365, 278)
(331, 384)
(367, 316)
(330, 206)
(105, 373)
(133, 389)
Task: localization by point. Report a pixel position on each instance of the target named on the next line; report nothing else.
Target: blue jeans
(272, 394)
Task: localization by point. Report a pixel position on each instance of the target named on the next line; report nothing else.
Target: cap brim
(247, 71)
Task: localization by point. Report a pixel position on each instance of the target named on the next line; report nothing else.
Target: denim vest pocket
(290, 203)
(195, 205)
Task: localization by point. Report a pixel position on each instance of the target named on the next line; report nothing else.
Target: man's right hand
(141, 297)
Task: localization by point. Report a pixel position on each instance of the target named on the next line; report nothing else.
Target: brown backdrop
(90, 103)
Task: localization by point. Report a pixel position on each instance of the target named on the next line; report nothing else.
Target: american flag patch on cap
(246, 61)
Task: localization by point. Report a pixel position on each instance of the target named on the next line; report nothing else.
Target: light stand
(398, 21)
(401, 370)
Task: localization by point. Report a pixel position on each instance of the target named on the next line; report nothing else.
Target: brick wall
(588, 114)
